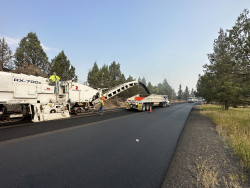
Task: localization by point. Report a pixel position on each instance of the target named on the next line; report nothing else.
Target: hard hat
(54, 72)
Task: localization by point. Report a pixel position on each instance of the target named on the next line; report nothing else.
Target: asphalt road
(121, 149)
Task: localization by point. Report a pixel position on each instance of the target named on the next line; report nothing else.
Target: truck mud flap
(128, 107)
(140, 107)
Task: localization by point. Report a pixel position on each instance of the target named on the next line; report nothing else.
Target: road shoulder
(203, 159)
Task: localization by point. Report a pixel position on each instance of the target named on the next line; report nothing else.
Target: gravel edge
(203, 159)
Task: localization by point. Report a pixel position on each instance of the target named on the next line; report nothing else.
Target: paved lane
(101, 154)
(27, 128)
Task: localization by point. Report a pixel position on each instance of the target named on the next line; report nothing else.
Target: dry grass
(232, 125)
(206, 175)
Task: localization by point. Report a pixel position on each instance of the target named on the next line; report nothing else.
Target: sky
(155, 39)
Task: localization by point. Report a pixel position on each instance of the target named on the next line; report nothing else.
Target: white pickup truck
(191, 100)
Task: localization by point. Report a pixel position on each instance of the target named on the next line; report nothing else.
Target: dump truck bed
(143, 102)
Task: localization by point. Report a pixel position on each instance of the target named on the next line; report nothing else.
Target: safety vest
(54, 78)
(102, 103)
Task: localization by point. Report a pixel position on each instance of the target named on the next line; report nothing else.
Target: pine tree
(186, 94)
(161, 89)
(31, 51)
(156, 90)
(139, 79)
(205, 87)
(222, 68)
(192, 92)
(104, 77)
(226, 78)
(167, 88)
(144, 81)
(173, 96)
(180, 93)
(239, 37)
(5, 56)
(115, 74)
(142, 89)
(93, 76)
(150, 87)
(61, 65)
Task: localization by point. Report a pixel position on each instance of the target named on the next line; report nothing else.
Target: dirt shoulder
(203, 159)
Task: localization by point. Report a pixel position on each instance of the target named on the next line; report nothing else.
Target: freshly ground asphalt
(200, 150)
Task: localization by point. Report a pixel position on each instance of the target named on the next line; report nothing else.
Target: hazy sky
(156, 39)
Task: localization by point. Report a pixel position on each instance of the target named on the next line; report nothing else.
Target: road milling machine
(42, 101)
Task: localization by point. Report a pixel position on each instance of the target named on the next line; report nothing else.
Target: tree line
(226, 78)
(30, 51)
(109, 76)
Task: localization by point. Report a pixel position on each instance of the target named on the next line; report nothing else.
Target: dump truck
(142, 102)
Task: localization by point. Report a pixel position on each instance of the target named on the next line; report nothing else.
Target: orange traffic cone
(150, 109)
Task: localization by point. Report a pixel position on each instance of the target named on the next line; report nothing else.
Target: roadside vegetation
(226, 78)
(233, 127)
(30, 56)
(109, 76)
(226, 81)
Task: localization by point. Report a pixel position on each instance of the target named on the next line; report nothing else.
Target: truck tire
(143, 107)
(147, 107)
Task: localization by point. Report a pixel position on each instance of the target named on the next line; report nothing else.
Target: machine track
(11, 121)
(7, 117)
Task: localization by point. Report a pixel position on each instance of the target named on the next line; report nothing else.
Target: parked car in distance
(191, 100)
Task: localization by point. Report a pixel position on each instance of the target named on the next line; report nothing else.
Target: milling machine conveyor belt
(116, 90)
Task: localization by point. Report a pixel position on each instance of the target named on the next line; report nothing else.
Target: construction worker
(102, 104)
(53, 78)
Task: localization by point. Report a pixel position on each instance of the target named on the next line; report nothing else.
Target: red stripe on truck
(139, 98)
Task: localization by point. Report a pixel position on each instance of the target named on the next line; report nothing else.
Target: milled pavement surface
(203, 158)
